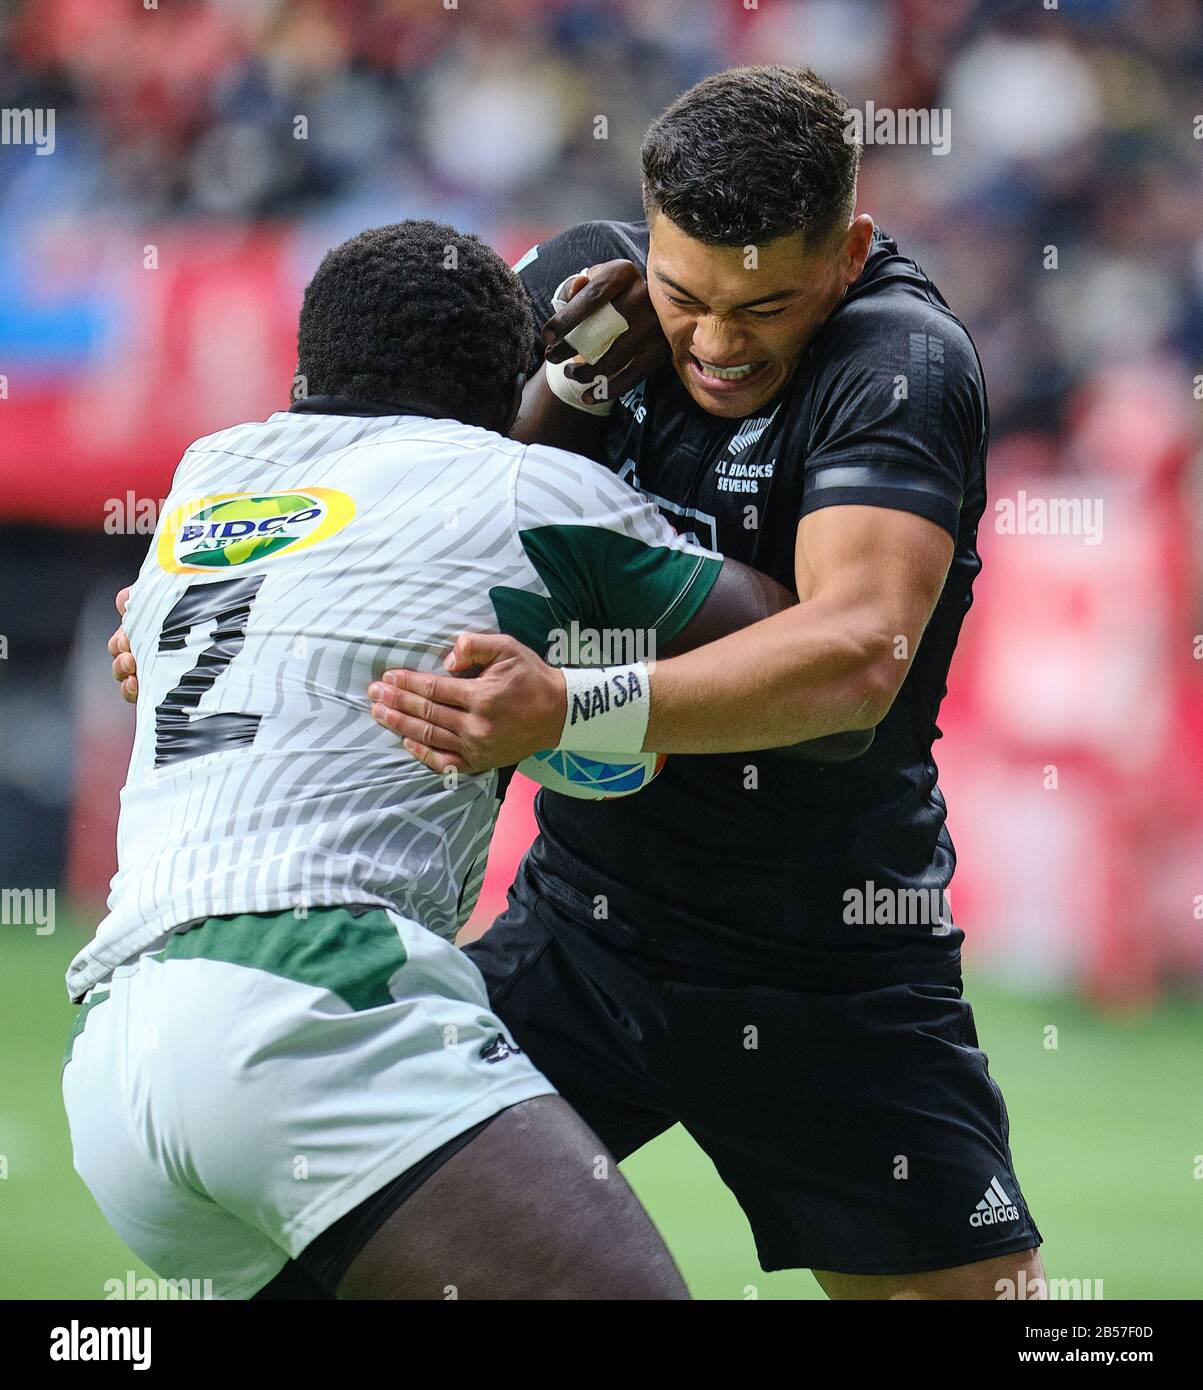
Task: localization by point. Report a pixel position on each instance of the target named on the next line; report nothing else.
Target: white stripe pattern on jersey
(321, 807)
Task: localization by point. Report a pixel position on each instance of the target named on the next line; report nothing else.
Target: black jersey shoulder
(550, 262)
(891, 395)
(893, 296)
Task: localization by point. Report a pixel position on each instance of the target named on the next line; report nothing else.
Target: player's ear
(858, 242)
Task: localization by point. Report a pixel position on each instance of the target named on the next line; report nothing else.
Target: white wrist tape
(573, 392)
(608, 708)
(597, 334)
(592, 338)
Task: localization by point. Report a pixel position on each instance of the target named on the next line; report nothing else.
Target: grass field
(1105, 1130)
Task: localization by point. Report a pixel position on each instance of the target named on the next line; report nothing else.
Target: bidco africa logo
(241, 528)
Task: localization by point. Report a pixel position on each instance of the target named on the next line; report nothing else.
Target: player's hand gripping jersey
(296, 560)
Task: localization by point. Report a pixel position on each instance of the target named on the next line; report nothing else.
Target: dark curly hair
(417, 313)
(753, 154)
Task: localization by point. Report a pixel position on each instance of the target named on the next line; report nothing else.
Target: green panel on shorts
(80, 1019)
(330, 948)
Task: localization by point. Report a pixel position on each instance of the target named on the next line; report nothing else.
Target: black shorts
(861, 1132)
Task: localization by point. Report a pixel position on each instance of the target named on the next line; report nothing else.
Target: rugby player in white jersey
(284, 1077)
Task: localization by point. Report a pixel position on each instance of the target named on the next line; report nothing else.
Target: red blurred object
(208, 336)
(511, 839)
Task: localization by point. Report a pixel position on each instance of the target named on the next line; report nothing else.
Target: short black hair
(416, 312)
(753, 154)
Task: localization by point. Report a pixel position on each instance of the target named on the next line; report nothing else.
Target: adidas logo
(632, 400)
(995, 1208)
(498, 1049)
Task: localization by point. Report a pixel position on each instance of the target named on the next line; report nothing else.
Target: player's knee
(1004, 1277)
(1025, 1280)
(1017, 1276)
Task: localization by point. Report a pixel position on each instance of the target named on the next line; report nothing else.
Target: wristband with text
(608, 708)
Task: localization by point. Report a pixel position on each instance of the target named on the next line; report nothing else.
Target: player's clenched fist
(638, 351)
(512, 708)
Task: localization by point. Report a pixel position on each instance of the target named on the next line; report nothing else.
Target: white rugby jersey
(295, 561)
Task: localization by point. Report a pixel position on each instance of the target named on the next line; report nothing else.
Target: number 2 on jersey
(224, 608)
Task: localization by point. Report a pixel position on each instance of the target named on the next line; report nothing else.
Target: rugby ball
(591, 776)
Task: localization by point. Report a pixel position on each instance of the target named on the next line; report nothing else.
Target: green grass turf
(1105, 1131)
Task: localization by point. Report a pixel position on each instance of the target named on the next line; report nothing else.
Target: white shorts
(233, 1094)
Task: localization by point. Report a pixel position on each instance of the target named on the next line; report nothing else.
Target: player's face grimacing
(738, 318)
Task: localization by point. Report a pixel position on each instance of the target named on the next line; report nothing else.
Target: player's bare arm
(516, 676)
(869, 579)
(827, 666)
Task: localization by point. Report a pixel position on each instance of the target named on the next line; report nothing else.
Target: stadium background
(205, 155)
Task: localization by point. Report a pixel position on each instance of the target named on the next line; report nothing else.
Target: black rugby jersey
(750, 862)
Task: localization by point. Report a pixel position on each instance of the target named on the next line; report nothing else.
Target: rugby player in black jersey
(748, 947)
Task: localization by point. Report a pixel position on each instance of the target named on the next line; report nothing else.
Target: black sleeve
(899, 413)
(549, 262)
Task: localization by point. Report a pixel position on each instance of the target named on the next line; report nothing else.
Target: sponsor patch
(234, 529)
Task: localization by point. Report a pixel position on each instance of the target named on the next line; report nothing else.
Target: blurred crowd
(1073, 127)
(1064, 224)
